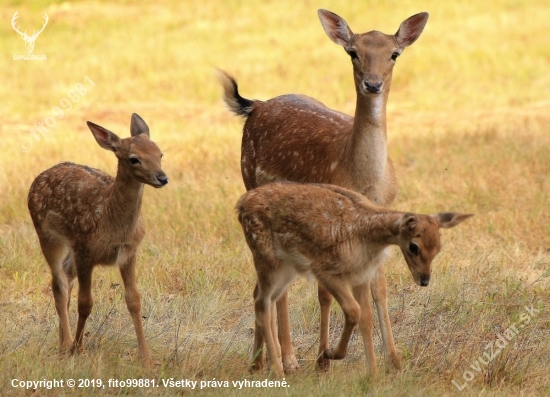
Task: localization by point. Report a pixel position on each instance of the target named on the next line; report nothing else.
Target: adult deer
(84, 217)
(297, 138)
(340, 237)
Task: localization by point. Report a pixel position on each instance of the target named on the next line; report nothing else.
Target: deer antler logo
(29, 40)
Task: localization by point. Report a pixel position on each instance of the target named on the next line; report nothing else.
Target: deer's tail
(236, 103)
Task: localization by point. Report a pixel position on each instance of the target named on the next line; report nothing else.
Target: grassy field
(468, 121)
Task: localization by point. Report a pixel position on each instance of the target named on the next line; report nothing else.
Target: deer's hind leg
(290, 363)
(54, 253)
(273, 280)
(258, 356)
(325, 301)
(69, 268)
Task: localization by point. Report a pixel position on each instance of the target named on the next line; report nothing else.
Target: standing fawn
(84, 217)
(297, 138)
(340, 237)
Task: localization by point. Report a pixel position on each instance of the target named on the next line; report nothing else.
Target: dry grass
(468, 131)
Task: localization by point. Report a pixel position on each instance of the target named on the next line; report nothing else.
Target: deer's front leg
(352, 315)
(380, 297)
(85, 302)
(361, 294)
(133, 301)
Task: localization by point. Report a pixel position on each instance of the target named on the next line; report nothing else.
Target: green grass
(468, 120)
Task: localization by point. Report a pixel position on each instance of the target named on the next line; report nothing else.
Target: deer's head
(373, 54)
(419, 241)
(138, 156)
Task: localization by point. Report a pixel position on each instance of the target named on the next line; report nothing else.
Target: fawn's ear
(407, 224)
(138, 126)
(335, 27)
(410, 29)
(105, 138)
(450, 219)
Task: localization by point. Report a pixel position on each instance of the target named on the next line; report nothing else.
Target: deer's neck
(366, 151)
(381, 228)
(124, 204)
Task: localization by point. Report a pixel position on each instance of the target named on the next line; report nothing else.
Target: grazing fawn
(84, 217)
(340, 237)
(297, 138)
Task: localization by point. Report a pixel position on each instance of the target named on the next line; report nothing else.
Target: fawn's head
(137, 155)
(373, 54)
(419, 240)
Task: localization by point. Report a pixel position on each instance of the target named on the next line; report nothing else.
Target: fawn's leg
(352, 314)
(69, 268)
(380, 297)
(54, 253)
(133, 302)
(262, 308)
(85, 302)
(361, 294)
(290, 363)
(325, 300)
(258, 356)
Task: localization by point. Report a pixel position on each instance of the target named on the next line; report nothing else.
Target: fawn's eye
(352, 54)
(133, 160)
(394, 55)
(414, 248)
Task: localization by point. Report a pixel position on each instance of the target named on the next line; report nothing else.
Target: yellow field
(468, 121)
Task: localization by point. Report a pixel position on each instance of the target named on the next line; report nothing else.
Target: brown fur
(297, 138)
(84, 217)
(337, 235)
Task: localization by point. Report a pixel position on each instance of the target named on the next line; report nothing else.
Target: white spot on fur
(263, 177)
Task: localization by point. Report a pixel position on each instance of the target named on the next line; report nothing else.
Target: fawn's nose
(162, 178)
(424, 280)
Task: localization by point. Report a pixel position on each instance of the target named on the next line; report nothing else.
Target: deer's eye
(394, 56)
(352, 54)
(134, 160)
(414, 248)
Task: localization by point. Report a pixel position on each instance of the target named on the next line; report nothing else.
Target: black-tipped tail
(236, 103)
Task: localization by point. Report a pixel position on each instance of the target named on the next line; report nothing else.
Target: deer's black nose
(424, 280)
(162, 178)
(373, 87)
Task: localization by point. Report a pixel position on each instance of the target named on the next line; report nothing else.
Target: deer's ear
(138, 126)
(335, 27)
(406, 225)
(450, 219)
(410, 29)
(105, 138)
